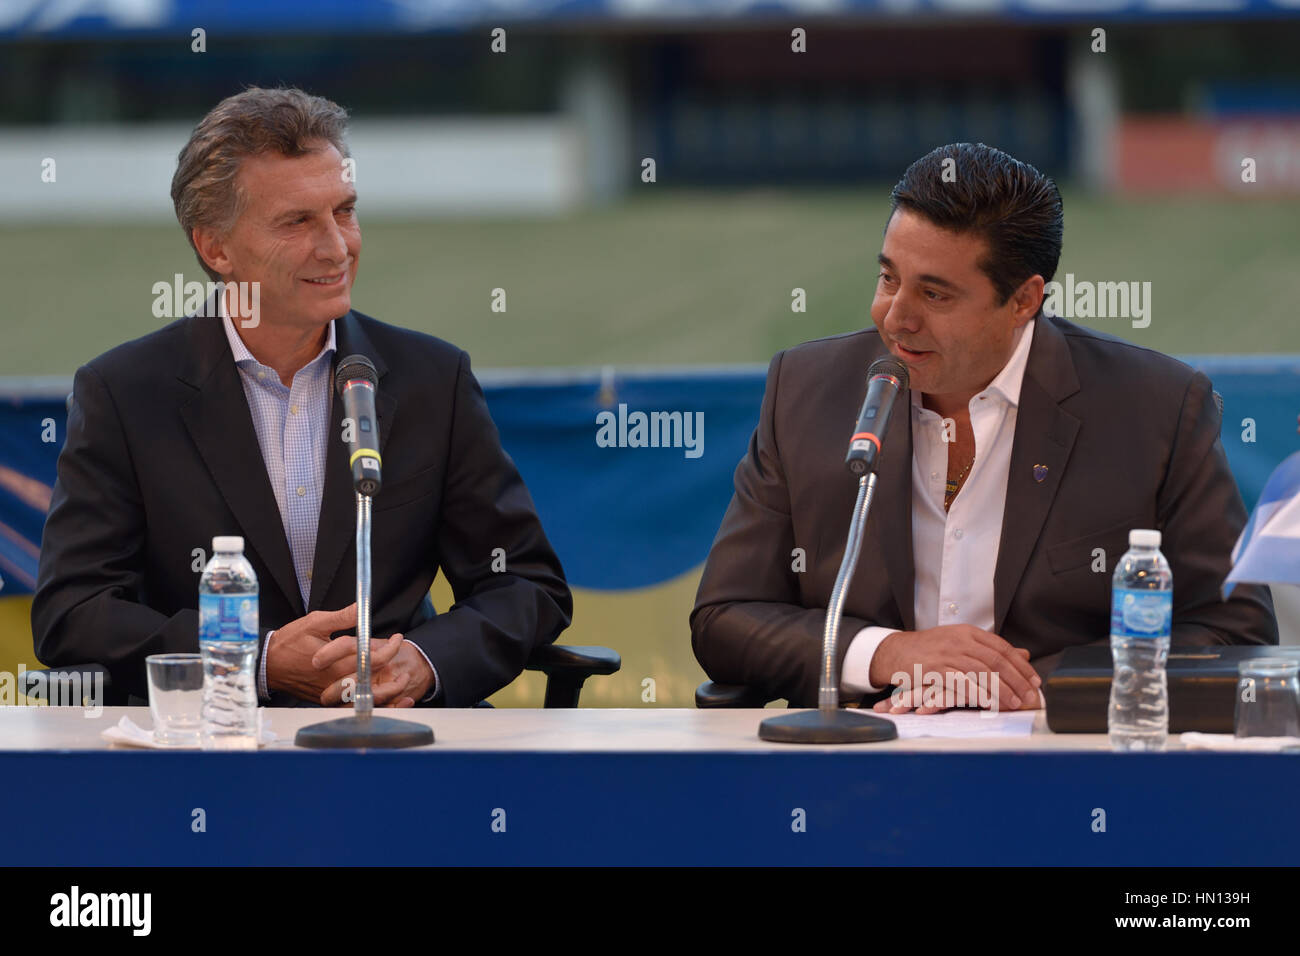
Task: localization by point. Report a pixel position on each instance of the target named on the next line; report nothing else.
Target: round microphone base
(827, 727)
(364, 733)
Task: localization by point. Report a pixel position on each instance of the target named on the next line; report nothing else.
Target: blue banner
(630, 472)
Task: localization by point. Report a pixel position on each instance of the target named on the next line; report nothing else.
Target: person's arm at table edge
(86, 607)
(747, 626)
(1201, 514)
(483, 641)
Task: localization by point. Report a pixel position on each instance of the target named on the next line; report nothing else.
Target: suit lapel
(1044, 437)
(337, 528)
(892, 507)
(221, 426)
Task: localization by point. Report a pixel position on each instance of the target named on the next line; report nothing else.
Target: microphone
(828, 724)
(886, 380)
(355, 381)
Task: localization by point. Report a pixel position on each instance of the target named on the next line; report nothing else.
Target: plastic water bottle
(1141, 614)
(228, 642)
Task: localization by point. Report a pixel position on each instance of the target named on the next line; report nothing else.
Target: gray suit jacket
(1130, 439)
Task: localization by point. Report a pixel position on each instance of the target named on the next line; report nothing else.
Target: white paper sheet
(965, 723)
(129, 734)
(1195, 741)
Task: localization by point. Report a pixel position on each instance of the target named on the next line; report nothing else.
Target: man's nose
(331, 244)
(903, 316)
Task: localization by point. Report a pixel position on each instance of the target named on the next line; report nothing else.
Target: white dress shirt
(954, 552)
(292, 425)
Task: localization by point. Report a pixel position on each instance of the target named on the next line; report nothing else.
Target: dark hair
(287, 121)
(1009, 204)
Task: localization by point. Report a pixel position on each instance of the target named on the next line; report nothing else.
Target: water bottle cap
(1143, 538)
(227, 543)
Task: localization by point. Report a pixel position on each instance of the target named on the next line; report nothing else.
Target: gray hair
(284, 120)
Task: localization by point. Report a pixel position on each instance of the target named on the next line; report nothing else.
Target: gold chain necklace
(954, 483)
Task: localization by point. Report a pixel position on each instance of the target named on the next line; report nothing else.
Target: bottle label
(228, 618)
(1141, 613)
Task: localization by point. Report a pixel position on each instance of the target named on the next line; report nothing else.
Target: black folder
(1202, 687)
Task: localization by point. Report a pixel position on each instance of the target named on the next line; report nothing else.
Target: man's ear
(211, 247)
(1028, 299)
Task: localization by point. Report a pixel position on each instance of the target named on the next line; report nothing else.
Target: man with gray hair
(225, 423)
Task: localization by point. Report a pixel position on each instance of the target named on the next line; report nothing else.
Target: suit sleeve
(749, 625)
(1201, 515)
(481, 643)
(87, 607)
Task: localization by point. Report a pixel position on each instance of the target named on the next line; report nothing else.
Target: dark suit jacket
(161, 455)
(1130, 439)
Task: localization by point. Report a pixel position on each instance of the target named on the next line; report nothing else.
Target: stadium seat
(711, 694)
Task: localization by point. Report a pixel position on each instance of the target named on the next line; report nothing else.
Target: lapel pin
(1040, 472)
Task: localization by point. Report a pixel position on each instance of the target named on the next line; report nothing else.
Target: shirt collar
(240, 351)
(1008, 381)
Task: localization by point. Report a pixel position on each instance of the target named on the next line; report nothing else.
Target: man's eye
(348, 210)
(886, 277)
(935, 296)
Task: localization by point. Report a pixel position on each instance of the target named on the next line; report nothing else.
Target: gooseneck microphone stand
(828, 724)
(363, 730)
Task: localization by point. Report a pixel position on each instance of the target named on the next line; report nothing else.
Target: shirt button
(952, 609)
(957, 534)
(934, 476)
(293, 409)
(260, 376)
(301, 491)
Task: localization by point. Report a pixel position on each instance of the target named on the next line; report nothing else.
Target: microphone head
(889, 366)
(355, 367)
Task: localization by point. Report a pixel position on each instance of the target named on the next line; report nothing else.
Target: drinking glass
(176, 698)
(1268, 698)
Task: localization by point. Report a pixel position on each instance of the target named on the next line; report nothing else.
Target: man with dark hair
(1009, 478)
(226, 423)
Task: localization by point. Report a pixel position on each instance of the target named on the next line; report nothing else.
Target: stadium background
(523, 170)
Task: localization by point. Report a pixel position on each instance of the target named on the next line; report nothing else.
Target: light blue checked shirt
(292, 425)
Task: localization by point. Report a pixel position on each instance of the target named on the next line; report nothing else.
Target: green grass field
(670, 277)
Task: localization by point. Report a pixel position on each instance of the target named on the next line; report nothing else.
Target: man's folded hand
(293, 648)
(991, 672)
(399, 674)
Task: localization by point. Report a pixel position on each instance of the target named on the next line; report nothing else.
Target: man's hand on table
(959, 649)
(303, 661)
(399, 674)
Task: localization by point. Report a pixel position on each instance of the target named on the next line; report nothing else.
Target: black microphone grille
(355, 367)
(889, 366)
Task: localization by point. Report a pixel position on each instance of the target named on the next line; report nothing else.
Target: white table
(632, 730)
